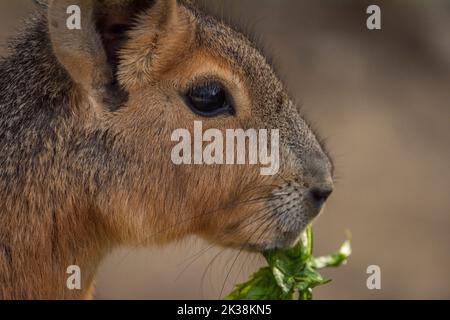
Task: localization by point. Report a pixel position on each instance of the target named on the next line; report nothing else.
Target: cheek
(246, 200)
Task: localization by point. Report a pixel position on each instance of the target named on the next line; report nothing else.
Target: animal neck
(55, 257)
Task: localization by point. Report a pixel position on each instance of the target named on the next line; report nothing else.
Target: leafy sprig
(291, 273)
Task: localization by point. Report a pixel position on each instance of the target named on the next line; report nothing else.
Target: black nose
(321, 194)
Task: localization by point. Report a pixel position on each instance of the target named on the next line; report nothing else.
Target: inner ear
(90, 53)
(113, 22)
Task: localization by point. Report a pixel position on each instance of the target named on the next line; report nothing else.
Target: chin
(285, 241)
(284, 238)
(289, 241)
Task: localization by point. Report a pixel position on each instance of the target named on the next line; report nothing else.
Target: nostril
(320, 195)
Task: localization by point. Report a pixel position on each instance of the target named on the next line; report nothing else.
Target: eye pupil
(208, 97)
(209, 100)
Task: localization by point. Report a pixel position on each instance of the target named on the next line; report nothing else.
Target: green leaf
(291, 273)
(261, 286)
(334, 260)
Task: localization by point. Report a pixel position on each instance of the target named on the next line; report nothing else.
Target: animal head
(143, 69)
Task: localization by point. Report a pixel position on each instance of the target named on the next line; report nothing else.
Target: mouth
(290, 214)
(286, 242)
(282, 240)
(286, 234)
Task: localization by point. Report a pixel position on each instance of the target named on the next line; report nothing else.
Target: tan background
(382, 98)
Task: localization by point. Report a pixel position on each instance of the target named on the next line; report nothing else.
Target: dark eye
(209, 100)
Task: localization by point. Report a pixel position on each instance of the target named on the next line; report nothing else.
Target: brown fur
(85, 126)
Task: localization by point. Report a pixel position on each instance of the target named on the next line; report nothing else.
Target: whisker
(240, 251)
(263, 213)
(260, 215)
(215, 211)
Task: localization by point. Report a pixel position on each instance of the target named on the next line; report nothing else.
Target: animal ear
(86, 36)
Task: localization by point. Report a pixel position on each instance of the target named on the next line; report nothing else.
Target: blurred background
(382, 100)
